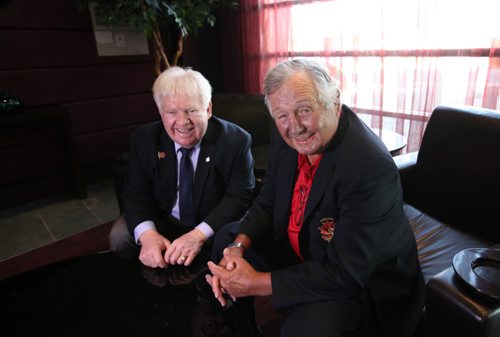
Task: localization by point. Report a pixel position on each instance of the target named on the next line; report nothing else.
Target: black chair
(451, 189)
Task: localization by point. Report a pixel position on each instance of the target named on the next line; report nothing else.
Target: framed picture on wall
(117, 40)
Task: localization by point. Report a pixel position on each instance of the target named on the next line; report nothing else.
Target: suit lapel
(321, 181)
(205, 160)
(284, 186)
(166, 175)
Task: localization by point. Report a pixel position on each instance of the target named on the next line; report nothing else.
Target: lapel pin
(207, 159)
(161, 155)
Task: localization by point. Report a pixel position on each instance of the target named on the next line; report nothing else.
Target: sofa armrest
(406, 161)
(454, 309)
(407, 167)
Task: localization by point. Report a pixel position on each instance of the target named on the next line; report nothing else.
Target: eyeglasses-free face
(302, 122)
(185, 119)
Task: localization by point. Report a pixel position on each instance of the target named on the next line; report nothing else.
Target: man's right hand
(215, 282)
(153, 245)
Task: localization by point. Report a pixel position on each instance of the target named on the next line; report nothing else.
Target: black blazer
(223, 183)
(372, 246)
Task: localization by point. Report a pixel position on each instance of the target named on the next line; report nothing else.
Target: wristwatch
(237, 244)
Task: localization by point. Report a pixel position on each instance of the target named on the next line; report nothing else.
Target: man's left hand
(184, 249)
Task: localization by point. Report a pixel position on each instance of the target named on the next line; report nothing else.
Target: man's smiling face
(185, 119)
(301, 120)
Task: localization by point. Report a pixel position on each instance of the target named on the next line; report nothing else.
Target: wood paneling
(62, 85)
(42, 14)
(49, 59)
(116, 141)
(56, 48)
(108, 113)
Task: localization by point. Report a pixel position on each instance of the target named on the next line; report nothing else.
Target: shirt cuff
(141, 228)
(206, 229)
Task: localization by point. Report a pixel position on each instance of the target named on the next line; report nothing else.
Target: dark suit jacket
(223, 182)
(373, 249)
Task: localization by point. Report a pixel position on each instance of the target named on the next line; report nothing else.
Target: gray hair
(327, 88)
(182, 81)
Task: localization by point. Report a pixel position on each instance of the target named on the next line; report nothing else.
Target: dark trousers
(326, 318)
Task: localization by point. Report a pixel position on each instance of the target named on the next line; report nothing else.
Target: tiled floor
(30, 226)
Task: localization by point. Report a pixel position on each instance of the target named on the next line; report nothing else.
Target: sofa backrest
(458, 167)
(247, 111)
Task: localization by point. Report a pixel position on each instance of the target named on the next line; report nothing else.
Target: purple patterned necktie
(186, 202)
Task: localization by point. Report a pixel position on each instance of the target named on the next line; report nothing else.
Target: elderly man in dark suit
(189, 174)
(327, 236)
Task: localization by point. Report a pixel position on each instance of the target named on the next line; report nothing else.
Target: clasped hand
(235, 277)
(158, 251)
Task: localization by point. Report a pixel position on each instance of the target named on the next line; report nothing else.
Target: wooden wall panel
(62, 85)
(90, 146)
(56, 48)
(45, 14)
(103, 114)
(49, 59)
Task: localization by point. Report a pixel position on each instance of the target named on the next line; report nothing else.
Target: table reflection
(103, 295)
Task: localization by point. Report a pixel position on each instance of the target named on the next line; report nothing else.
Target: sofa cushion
(437, 242)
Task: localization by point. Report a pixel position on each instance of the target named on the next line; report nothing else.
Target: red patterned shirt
(300, 194)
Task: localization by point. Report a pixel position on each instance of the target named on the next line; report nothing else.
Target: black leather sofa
(451, 188)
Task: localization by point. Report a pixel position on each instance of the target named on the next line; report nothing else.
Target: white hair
(182, 81)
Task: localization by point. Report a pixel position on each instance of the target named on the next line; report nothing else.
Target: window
(396, 59)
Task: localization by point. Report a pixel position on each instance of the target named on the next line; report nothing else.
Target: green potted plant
(159, 20)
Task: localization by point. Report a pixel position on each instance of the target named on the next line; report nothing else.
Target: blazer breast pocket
(321, 232)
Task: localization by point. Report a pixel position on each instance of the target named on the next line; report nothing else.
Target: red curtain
(265, 35)
(395, 59)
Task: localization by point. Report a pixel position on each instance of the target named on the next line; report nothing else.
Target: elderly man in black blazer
(169, 215)
(327, 236)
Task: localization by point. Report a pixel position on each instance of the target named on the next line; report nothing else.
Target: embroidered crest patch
(327, 229)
